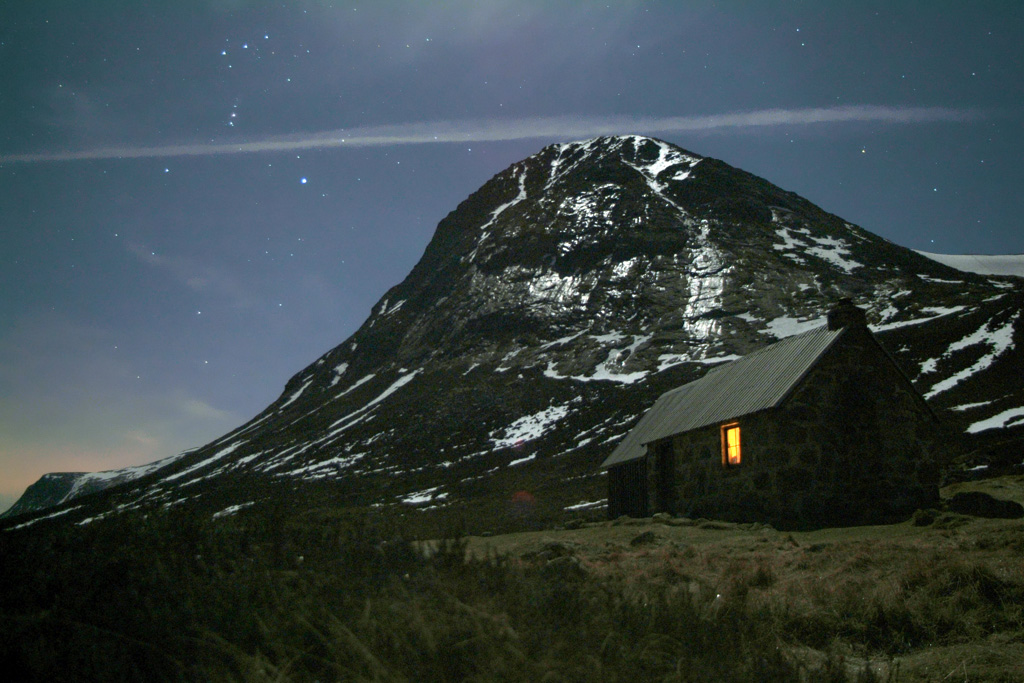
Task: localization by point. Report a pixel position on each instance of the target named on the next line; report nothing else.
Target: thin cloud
(501, 130)
(197, 408)
(197, 276)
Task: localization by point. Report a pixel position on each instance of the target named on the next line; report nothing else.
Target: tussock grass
(339, 596)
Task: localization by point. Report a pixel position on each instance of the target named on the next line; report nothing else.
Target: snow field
(982, 264)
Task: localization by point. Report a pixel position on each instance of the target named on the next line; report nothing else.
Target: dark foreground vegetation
(343, 596)
(336, 598)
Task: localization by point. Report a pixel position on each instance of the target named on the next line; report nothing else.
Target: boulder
(978, 504)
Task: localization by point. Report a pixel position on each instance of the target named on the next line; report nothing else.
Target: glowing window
(731, 445)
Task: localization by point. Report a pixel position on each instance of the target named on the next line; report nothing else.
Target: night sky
(198, 199)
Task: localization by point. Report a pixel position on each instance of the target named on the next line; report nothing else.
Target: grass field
(909, 602)
(337, 594)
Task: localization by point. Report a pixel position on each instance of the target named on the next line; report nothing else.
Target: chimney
(845, 314)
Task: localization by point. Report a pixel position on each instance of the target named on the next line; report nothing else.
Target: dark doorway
(627, 489)
(665, 472)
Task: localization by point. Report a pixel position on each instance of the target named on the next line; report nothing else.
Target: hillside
(548, 312)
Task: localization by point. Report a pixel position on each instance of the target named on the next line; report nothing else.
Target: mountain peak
(649, 156)
(553, 305)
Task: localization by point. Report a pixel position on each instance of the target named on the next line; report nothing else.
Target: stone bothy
(818, 429)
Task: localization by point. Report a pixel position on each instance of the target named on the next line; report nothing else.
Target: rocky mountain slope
(548, 312)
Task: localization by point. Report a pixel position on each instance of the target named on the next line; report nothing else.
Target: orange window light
(731, 445)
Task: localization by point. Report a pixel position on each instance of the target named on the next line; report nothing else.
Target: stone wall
(853, 444)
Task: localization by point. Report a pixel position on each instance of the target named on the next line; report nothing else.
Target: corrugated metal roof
(755, 382)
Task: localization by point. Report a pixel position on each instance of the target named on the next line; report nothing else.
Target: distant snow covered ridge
(981, 264)
(98, 480)
(57, 488)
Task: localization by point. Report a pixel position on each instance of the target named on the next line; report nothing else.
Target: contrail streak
(494, 130)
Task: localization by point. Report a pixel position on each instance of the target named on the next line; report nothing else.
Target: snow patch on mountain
(485, 228)
(387, 309)
(938, 280)
(998, 339)
(327, 468)
(830, 249)
(338, 372)
(558, 170)
(562, 341)
(529, 427)
(971, 406)
(252, 426)
(49, 516)
(362, 413)
(229, 466)
(540, 288)
(611, 367)
(603, 372)
(295, 396)
(522, 461)
(282, 457)
(718, 359)
(835, 256)
(668, 156)
(789, 242)
(360, 382)
(785, 326)
(424, 496)
(203, 463)
(668, 360)
(936, 312)
(233, 509)
(587, 505)
(1007, 418)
